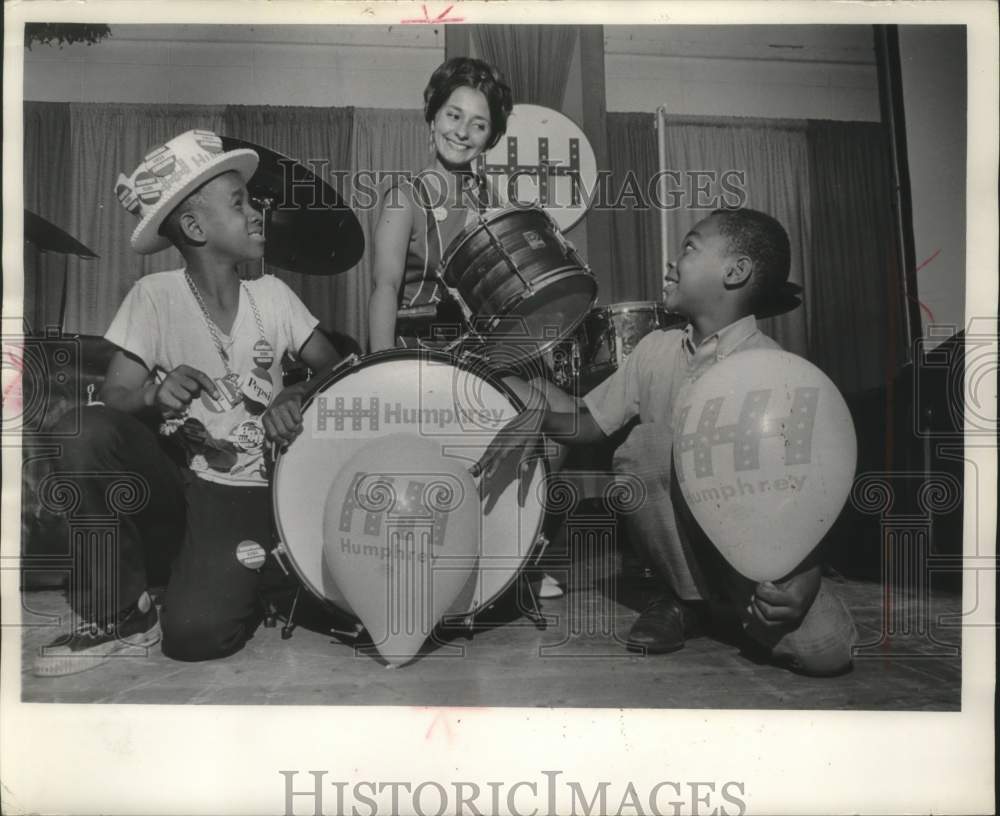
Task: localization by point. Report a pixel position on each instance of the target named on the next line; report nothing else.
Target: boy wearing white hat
(199, 355)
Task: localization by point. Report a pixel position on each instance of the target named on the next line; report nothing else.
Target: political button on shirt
(248, 436)
(263, 354)
(251, 554)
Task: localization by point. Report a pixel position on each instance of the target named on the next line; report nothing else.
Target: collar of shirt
(719, 345)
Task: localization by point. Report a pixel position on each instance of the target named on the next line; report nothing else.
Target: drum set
(528, 303)
(528, 300)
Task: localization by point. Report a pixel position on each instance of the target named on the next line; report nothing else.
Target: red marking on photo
(427, 19)
(921, 266)
(12, 394)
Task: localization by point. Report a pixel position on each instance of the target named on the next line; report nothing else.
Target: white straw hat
(170, 173)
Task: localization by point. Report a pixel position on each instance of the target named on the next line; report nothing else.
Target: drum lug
(279, 552)
(541, 542)
(353, 634)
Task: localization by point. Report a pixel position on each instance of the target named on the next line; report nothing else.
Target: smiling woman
(466, 105)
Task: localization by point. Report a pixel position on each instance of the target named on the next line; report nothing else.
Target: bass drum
(421, 392)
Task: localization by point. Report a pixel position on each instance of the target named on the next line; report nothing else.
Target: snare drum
(606, 337)
(522, 286)
(404, 391)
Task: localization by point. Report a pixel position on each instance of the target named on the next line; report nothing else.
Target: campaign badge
(263, 354)
(248, 436)
(126, 195)
(251, 554)
(161, 161)
(148, 187)
(208, 141)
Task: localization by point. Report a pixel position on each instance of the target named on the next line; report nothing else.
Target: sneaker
(549, 587)
(90, 645)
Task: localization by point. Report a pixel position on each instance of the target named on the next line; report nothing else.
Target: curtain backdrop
(827, 182)
(47, 165)
(635, 228)
(535, 59)
(320, 139)
(106, 140)
(859, 334)
(769, 160)
(382, 141)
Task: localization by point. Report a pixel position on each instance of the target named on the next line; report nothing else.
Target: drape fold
(535, 59)
(856, 292)
(711, 163)
(320, 140)
(47, 165)
(383, 141)
(106, 140)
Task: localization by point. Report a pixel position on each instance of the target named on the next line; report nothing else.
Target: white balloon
(765, 452)
(401, 533)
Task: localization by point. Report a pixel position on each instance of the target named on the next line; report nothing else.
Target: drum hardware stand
(534, 614)
(271, 609)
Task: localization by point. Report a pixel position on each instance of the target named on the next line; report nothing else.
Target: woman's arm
(392, 238)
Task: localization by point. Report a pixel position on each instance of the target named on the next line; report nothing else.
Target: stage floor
(576, 661)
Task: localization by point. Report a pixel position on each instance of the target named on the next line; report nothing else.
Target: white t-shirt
(161, 323)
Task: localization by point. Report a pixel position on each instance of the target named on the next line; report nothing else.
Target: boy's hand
(283, 419)
(513, 439)
(777, 603)
(173, 396)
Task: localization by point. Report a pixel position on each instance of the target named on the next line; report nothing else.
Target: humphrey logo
(747, 432)
(374, 415)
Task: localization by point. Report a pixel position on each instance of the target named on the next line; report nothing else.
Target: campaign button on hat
(161, 161)
(126, 195)
(148, 187)
(208, 141)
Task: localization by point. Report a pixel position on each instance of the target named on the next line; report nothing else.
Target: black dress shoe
(659, 629)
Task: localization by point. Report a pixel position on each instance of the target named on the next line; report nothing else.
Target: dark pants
(211, 604)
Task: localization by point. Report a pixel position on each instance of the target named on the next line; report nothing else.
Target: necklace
(231, 377)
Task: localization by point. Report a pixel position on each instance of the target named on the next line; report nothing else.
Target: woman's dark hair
(465, 72)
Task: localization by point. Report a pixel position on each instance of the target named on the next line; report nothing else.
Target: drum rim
(636, 306)
(468, 231)
(563, 272)
(342, 370)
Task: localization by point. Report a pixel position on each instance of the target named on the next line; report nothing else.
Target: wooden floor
(576, 661)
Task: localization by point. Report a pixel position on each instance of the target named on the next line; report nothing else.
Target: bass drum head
(405, 391)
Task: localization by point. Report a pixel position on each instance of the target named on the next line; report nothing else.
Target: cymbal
(47, 237)
(308, 227)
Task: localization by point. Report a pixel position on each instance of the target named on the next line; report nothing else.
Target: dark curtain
(535, 59)
(47, 165)
(830, 185)
(320, 139)
(859, 332)
(635, 229)
(384, 140)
